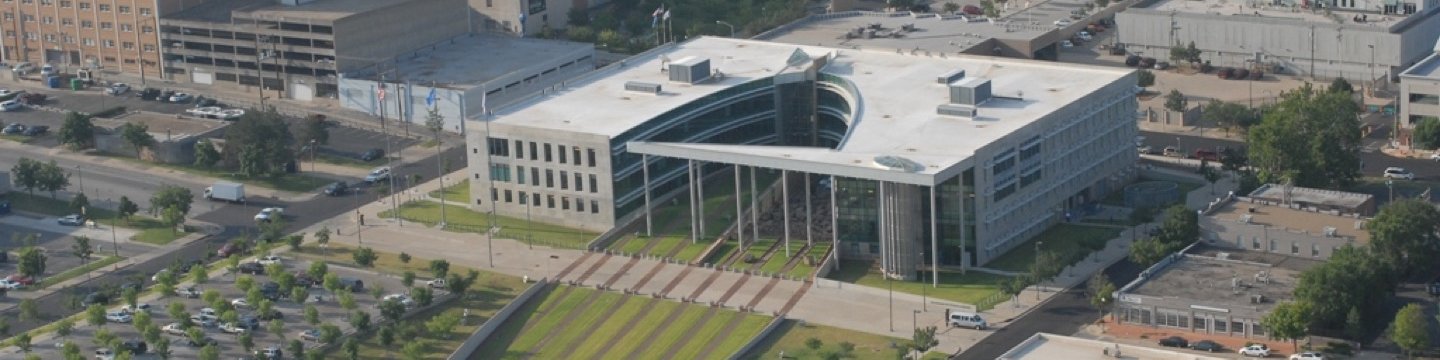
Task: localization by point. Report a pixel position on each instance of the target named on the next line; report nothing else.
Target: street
(1064, 314)
(1374, 163)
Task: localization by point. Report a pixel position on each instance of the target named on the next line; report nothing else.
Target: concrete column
(785, 208)
(754, 204)
(901, 228)
(700, 197)
(739, 213)
(881, 229)
(809, 223)
(690, 192)
(934, 240)
(834, 223)
(645, 173)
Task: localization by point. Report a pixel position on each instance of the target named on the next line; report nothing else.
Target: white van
(23, 67)
(965, 319)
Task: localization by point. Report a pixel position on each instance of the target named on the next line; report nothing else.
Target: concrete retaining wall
(755, 341)
(483, 332)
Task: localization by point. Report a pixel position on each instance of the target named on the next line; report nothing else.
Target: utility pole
(389, 160)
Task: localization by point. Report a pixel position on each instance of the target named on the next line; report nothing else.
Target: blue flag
(430, 100)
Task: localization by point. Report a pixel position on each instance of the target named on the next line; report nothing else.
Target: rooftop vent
(645, 87)
(295, 2)
(690, 70)
(951, 77)
(1331, 231)
(965, 111)
(970, 91)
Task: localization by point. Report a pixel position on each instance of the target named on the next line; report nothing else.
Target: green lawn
(721, 253)
(74, 272)
(635, 244)
(18, 138)
(548, 322)
(790, 338)
(287, 182)
(969, 288)
(458, 193)
(778, 259)
(1062, 239)
(622, 316)
(462, 219)
(575, 330)
(748, 329)
(644, 328)
(151, 230)
(689, 316)
(491, 293)
(666, 244)
(816, 252)
(691, 251)
(710, 330)
(755, 252)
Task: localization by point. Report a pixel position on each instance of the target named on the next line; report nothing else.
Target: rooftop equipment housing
(690, 70)
(640, 86)
(970, 91)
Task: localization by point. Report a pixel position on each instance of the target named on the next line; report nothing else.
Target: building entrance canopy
(910, 169)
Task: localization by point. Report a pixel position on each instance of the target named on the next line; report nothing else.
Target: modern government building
(917, 159)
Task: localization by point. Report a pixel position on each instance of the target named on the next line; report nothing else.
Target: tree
(408, 280)
(435, 123)
(392, 310)
(314, 129)
(1148, 251)
(950, 7)
(32, 261)
(22, 341)
(404, 257)
(352, 349)
(413, 350)
(318, 270)
(1175, 101)
(360, 320)
(95, 315)
(1341, 86)
(611, 39)
(162, 347)
(331, 282)
(176, 310)
(1287, 321)
(205, 154)
(1410, 330)
(1354, 327)
(210, 352)
(329, 333)
(82, 249)
(247, 341)
(923, 339)
(1353, 277)
(26, 174)
(196, 335)
(1404, 234)
(64, 327)
(1308, 137)
(439, 268)
(277, 327)
(78, 131)
(131, 296)
(1144, 78)
(172, 196)
(1229, 115)
(138, 136)
(422, 295)
(991, 10)
(210, 296)
(294, 241)
(71, 351)
(376, 291)
(364, 257)
(299, 294)
(199, 274)
(1102, 292)
(52, 178)
(322, 237)
(296, 347)
(1427, 133)
(442, 324)
(79, 203)
(126, 208)
(29, 310)
(172, 218)
(259, 144)
(245, 283)
(312, 314)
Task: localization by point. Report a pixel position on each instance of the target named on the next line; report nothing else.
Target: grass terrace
(791, 336)
(458, 193)
(969, 288)
(1065, 240)
(462, 219)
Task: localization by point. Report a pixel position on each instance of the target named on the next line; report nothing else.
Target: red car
(228, 249)
(22, 279)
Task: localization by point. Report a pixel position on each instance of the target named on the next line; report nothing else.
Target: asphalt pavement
(1374, 162)
(1065, 314)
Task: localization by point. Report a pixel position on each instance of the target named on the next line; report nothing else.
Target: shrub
(110, 112)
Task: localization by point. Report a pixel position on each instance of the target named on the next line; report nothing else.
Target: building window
(127, 28)
(149, 48)
(535, 199)
(507, 196)
(47, 20)
(1429, 99)
(547, 153)
(1294, 248)
(519, 149)
(1220, 325)
(106, 25)
(579, 205)
(110, 59)
(86, 24)
(494, 194)
(565, 203)
(67, 22)
(50, 38)
(561, 149)
(124, 9)
(594, 207)
(9, 33)
(32, 36)
(144, 11)
(564, 179)
(524, 199)
(549, 178)
(84, 6)
(9, 16)
(1256, 329)
(499, 147)
(109, 43)
(593, 188)
(128, 45)
(87, 42)
(500, 172)
(535, 176)
(534, 154)
(520, 175)
(1200, 323)
(104, 7)
(550, 201)
(591, 155)
(1255, 243)
(579, 185)
(64, 3)
(576, 150)
(27, 17)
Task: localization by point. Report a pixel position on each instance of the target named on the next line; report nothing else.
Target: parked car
(1171, 151)
(1174, 341)
(118, 317)
(36, 130)
(205, 101)
(174, 329)
(337, 188)
(1162, 65)
(372, 155)
(269, 259)
(1209, 155)
(138, 308)
(272, 315)
(11, 105)
(271, 352)
(1207, 345)
(233, 328)
(240, 303)
(104, 354)
(1062, 23)
(253, 268)
(13, 129)
(230, 248)
(117, 88)
(189, 292)
(311, 335)
(1258, 350)
(179, 98)
(377, 175)
(10, 285)
(401, 298)
(203, 341)
(1066, 44)
(270, 213)
(355, 285)
(1435, 156)
(150, 94)
(1399, 173)
(1308, 355)
(71, 220)
(203, 321)
(437, 283)
(136, 347)
(21, 279)
(32, 98)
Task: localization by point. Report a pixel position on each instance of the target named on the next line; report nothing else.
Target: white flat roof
(895, 113)
(1043, 346)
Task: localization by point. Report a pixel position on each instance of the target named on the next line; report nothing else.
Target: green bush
(110, 112)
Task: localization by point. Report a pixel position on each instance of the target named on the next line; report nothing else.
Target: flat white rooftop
(1263, 10)
(467, 61)
(894, 112)
(1426, 69)
(1043, 346)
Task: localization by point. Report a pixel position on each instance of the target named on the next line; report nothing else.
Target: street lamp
(1037, 267)
(1391, 185)
(924, 298)
(891, 282)
(732, 27)
(312, 155)
(1372, 68)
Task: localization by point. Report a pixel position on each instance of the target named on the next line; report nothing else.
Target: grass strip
(748, 328)
(708, 332)
(609, 332)
(575, 330)
(459, 193)
(548, 321)
(816, 254)
(74, 272)
(462, 219)
(678, 329)
(286, 182)
(969, 288)
(635, 244)
(643, 329)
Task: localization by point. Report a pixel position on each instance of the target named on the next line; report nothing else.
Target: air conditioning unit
(1330, 231)
(964, 111)
(951, 77)
(1247, 219)
(640, 86)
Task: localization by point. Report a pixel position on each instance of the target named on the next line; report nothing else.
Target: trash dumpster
(77, 84)
(53, 82)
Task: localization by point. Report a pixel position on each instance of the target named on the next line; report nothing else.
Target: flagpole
(439, 158)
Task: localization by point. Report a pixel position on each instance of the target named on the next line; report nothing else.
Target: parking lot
(292, 314)
(57, 241)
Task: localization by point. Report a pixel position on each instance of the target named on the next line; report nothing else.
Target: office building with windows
(920, 160)
(299, 49)
(112, 36)
(1420, 90)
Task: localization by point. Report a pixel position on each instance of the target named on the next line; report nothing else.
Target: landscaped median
(300, 183)
(457, 193)
(798, 340)
(1070, 242)
(151, 231)
(462, 219)
(969, 288)
(74, 272)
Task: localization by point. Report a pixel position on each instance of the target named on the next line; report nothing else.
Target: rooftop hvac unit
(1330, 231)
(964, 111)
(690, 70)
(951, 77)
(970, 91)
(638, 86)
(1246, 219)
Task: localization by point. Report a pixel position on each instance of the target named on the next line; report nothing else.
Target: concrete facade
(1420, 90)
(983, 184)
(1249, 224)
(1205, 295)
(1288, 39)
(469, 75)
(1044, 346)
(175, 136)
(302, 50)
(114, 36)
(504, 16)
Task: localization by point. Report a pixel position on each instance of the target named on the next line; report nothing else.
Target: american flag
(381, 92)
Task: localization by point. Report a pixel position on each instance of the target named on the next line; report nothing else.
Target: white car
(104, 354)
(240, 303)
(1399, 173)
(1067, 44)
(378, 174)
(402, 298)
(173, 329)
(269, 259)
(12, 105)
(118, 317)
(1062, 23)
(138, 308)
(117, 88)
(189, 292)
(269, 213)
(230, 114)
(1259, 350)
(206, 111)
(1308, 356)
(210, 312)
(180, 97)
(233, 328)
(1435, 156)
(8, 284)
(203, 321)
(437, 283)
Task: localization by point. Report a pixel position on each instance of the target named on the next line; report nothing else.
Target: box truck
(227, 191)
